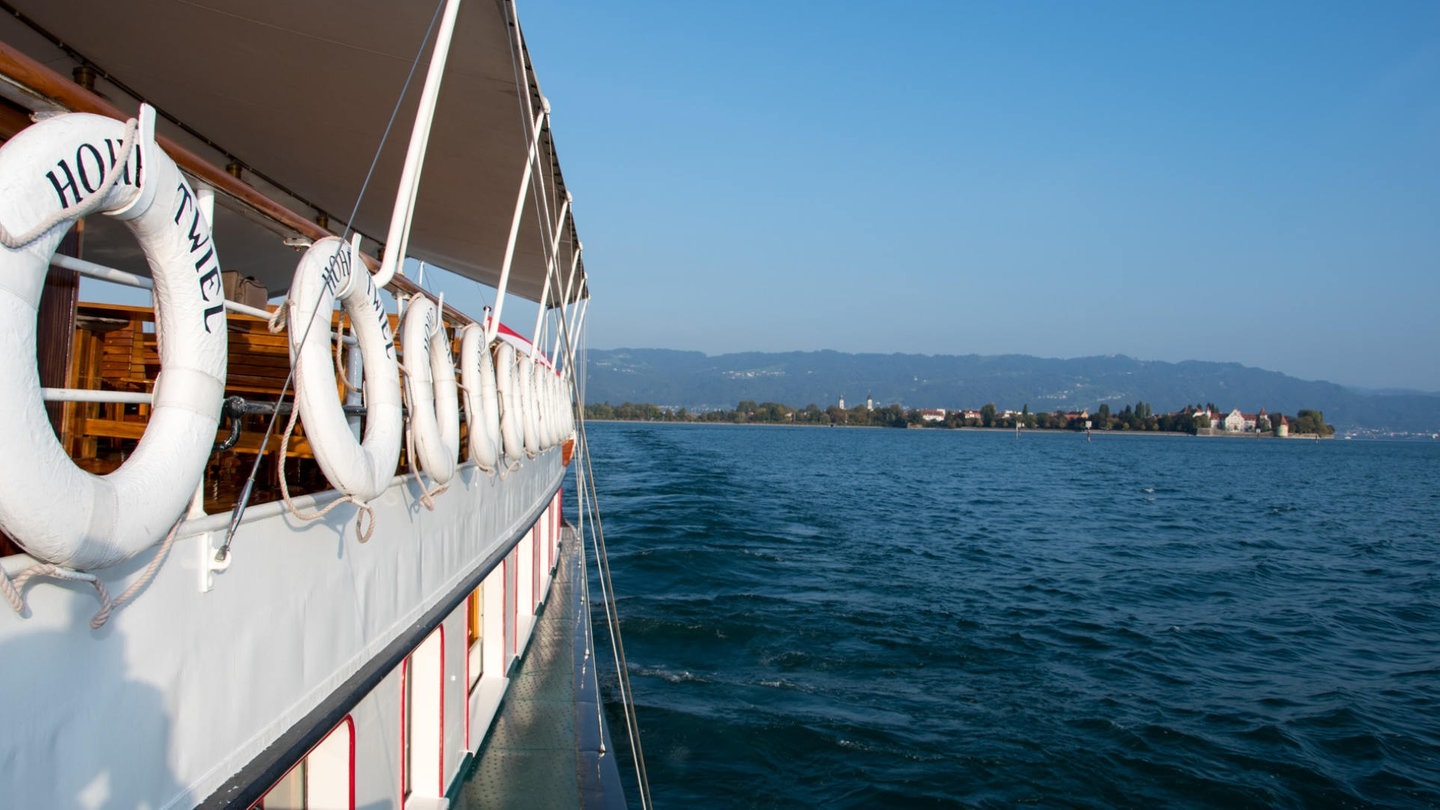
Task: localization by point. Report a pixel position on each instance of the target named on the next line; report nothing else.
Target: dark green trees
(1310, 421)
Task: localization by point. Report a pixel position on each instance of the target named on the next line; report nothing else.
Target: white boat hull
(211, 685)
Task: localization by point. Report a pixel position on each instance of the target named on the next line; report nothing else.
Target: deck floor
(543, 749)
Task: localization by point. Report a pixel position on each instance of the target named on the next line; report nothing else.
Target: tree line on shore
(1139, 417)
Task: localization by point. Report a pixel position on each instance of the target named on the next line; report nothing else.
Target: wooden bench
(116, 350)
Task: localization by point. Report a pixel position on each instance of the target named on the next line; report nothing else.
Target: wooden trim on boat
(44, 82)
(37, 79)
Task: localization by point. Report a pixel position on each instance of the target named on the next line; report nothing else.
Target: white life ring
(551, 411)
(430, 384)
(562, 399)
(562, 410)
(511, 432)
(537, 396)
(59, 513)
(557, 400)
(331, 270)
(529, 412)
(543, 405)
(482, 413)
(569, 409)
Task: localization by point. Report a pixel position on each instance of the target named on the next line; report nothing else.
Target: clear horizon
(1182, 181)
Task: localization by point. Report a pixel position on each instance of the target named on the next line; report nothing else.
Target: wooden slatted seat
(116, 350)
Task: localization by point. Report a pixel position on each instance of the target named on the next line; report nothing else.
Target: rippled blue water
(877, 618)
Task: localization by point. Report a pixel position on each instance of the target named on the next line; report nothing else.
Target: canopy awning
(301, 94)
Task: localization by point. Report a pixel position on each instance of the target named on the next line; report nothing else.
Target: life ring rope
(365, 511)
(14, 589)
(339, 355)
(88, 205)
(427, 495)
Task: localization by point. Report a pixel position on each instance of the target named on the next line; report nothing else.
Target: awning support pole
(404, 213)
(580, 321)
(564, 303)
(548, 224)
(550, 272)
(493, 328)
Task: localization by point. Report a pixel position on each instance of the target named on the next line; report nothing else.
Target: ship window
(475, 635)
(325, 777)
(511, 645)
(289, 792)
(407, 710)
(423, 727)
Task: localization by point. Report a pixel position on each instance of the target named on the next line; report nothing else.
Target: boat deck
(545, 748)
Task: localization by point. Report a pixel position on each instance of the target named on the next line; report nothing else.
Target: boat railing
(110, 376)
(115, 358)
(103, 406)
(114, 362)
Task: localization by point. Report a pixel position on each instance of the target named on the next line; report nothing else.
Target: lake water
(889, 618)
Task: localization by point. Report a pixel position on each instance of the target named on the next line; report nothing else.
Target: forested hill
(697, 381)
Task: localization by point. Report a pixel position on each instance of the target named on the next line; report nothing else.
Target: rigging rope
(612, 621)
(276, 320)
(541, 204)
(427, 495)
(591, 660)
(602, 557)
(394, 113)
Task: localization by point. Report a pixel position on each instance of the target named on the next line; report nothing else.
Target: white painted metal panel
(213, 678)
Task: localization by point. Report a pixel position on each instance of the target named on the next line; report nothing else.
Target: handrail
(110, 274)
(96, 395)
(33, 76)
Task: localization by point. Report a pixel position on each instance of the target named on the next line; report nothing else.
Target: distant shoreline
(1047, 431)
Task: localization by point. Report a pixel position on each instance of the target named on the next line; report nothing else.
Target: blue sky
(1243, 182)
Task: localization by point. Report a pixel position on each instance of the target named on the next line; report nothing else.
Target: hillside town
(1200, 420)
(1205, 420)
